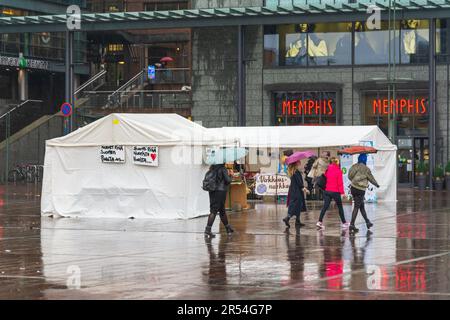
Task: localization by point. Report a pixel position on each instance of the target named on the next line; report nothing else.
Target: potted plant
(438, 178)
(421, 176)
(447, 176)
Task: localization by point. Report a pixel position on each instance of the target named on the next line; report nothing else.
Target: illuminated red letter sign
(400, 106)
(308, 107)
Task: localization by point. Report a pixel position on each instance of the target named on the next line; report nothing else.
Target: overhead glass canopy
(275, 11)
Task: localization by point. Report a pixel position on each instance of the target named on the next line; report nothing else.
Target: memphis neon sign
(401, 106)
(308, 107)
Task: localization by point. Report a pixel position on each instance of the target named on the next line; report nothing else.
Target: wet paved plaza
(406, 257)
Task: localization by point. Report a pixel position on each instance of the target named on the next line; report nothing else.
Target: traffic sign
(66, 109)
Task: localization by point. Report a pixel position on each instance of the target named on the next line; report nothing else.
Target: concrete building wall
(214, 70)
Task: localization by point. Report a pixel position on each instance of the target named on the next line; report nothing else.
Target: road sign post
(66, 111)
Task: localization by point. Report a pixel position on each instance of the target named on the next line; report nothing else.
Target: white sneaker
(320, 225)
(345, 225)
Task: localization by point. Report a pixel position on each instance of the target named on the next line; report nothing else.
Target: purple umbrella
(297, 156)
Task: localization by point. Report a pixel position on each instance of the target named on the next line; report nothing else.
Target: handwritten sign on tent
(145, 155)
(112, 154)
(272, 184)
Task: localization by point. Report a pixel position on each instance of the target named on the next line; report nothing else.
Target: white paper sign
(112, 154)
(271, 184)
(145, 155)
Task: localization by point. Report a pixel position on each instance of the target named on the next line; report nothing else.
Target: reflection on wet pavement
(406, 256)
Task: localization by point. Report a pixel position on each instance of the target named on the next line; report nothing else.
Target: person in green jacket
(360, 176)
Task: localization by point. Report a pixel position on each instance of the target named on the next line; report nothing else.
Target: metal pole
(240, 78)
(432, 99)
(72, 78)
(389, 76)
(68, 78)
(353, 73)
(8, 121)
(394, 79)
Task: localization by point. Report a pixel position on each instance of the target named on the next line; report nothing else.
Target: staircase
(141, 95)
(25, 127)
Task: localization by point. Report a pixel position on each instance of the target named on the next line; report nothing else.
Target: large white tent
(309, 137)
(77, 183)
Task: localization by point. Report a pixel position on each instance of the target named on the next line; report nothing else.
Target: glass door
(421, 154)
(405, 161)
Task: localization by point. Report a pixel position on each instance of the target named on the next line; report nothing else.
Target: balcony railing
(172, 76)
(143, 99)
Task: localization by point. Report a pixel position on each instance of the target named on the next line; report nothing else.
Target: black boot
(298, 223)
(229, 229)
(286, 221)
(353, 229)
(369, 225)
(208, 232)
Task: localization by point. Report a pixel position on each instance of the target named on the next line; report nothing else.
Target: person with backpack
(334, 188)
(318, 168)
(216, 182)
(296, 199)
(360, 176)
(308, 167)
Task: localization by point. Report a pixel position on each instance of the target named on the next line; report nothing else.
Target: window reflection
(307, 44)
(414, 41)
(372, 46)
(332, 44)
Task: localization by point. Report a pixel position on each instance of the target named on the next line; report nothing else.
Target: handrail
(172, 69)
(91, 80)
(129, 81)
(143, 91)
(121, 89)
(18, 106)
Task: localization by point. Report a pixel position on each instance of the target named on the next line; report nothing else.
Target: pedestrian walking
(216, 182)
(308, 167)
(318, 168)
(296, 198)
(320, 165)
(360, 176)
(333, 190)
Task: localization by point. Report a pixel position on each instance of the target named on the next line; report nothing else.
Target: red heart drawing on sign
(153, 155)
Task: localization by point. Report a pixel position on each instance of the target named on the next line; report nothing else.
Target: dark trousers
(327, 197)
(217, 206)
(358, 197)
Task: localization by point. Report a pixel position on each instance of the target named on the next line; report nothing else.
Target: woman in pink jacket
(333, 191)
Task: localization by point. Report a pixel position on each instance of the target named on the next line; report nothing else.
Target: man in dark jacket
(217, 199)
(360, 176)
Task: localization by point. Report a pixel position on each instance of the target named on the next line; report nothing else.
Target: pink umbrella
(299, 155)
(166, 59)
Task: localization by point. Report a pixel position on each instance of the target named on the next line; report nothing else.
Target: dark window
(166, 6)
(410, 106)
(305, 108)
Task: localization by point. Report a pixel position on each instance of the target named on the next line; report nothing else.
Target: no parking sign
(66, 109)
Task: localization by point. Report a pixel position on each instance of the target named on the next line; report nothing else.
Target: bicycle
(25, 173)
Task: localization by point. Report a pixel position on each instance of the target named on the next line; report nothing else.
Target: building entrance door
(411, 152)
(405, 161)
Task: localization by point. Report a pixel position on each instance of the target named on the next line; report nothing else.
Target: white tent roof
(305, 136)
(140, 129)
